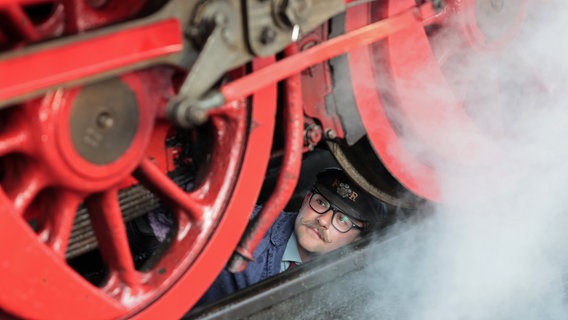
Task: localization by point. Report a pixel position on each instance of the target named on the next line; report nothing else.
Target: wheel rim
(58, 151)
(416, 106)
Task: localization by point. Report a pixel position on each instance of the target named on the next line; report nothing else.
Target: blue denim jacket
(267, 258)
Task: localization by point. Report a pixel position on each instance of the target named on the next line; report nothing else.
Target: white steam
(497, 246)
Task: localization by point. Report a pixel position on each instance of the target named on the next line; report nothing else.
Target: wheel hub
(90, 138)
(104, 121)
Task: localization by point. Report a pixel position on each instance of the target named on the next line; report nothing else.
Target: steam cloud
(497, 245)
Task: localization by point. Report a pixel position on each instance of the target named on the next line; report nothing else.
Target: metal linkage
(217, 39)
(193, 104)
(283, 69)
(266, 28)
(271, 25)
(209, 37)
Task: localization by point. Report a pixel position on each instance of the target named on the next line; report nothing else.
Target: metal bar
(106, 218)
(156, 181)
(68, 62)
(288, 177)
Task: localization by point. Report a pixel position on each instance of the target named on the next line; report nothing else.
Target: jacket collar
(282, 229)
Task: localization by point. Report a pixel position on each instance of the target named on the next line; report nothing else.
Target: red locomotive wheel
(78, 150)
(46, 175)
(408, 94)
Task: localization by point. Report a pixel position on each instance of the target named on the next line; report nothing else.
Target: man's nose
(324, 219)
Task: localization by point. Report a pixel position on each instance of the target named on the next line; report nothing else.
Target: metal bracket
(272, 25)
(223, 49)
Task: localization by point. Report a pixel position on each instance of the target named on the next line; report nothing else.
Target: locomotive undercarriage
(110, 110)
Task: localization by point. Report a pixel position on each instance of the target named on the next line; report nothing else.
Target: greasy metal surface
(104, 121)
(341, 99)
(317, 85)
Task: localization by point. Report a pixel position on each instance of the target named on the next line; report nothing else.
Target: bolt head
(267, 35)
(297, 11)
(330, 134)
(105, 120)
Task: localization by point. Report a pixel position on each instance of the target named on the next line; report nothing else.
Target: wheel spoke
(24, 24)
(58, 222)
(106, 218)
(158, 182)
(23, 188)
(12, 141)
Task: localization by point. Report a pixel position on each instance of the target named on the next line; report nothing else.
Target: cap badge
(344, 190)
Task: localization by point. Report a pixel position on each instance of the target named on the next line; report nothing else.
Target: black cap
(337, 187)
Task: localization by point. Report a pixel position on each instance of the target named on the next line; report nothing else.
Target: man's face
(316, 235)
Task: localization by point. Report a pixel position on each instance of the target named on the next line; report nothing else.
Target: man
(335, 213)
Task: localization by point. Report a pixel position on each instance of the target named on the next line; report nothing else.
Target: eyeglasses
(339, 220)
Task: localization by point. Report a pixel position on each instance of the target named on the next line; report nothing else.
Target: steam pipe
(288, 177)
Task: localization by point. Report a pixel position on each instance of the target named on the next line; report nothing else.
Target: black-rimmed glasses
(339, 220)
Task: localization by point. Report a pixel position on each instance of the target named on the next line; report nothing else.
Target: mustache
(316, 226)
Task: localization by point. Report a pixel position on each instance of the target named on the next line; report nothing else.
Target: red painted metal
(16, 13)
(87, 58)
(61, 17)
(210, 218)
(45, 179)
(184, 292)
(475, 25)
(55, 184)
(417, 177)
(316, 85)
(419, 82)
(427, 106)
(329, 49)
(289, 171)
(28, 29)
(39, 131)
